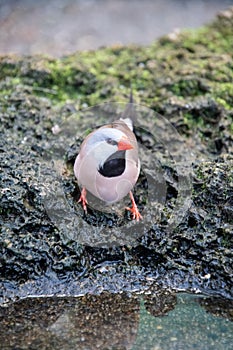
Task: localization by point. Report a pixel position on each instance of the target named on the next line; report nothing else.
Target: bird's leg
(134, 210)
(83, 199)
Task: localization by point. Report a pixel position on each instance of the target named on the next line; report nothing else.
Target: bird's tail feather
(129, 114)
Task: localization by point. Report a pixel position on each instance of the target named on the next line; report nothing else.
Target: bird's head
(104, 142)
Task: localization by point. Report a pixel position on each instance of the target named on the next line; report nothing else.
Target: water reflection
(118, 321)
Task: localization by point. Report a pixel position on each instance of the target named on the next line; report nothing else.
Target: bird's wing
(128, 122)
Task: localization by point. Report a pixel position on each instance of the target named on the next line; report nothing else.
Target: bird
(108, 163)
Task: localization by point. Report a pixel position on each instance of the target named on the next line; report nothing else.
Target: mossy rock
(187, 77)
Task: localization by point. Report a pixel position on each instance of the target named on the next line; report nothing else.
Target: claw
(83, 200)
(134, 210)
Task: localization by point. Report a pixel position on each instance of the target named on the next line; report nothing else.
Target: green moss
(193, 122)
(188, 87)
(231, 126)
(223, 93)
(8, 67)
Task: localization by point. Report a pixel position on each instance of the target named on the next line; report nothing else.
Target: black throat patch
(114, 165)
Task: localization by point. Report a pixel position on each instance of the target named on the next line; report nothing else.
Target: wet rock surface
(187, 78)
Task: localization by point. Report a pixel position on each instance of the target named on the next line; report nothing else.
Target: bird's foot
(83, 200)
(134, 210)
(135, 213)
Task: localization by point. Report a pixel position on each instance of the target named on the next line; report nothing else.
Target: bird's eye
(111, 142)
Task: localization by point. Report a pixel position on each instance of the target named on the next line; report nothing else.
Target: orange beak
(124, 144)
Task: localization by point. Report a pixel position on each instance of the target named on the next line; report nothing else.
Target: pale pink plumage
(95, 150)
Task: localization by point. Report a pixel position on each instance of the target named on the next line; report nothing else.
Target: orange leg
(134, 210)
(83, 199)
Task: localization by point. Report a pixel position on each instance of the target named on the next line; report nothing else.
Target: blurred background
(60, 27)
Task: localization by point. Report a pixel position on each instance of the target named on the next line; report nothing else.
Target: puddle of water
(188, 326)
(117, 321)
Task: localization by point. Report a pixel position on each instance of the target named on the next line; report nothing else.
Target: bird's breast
(113, 180)
(113, 165)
